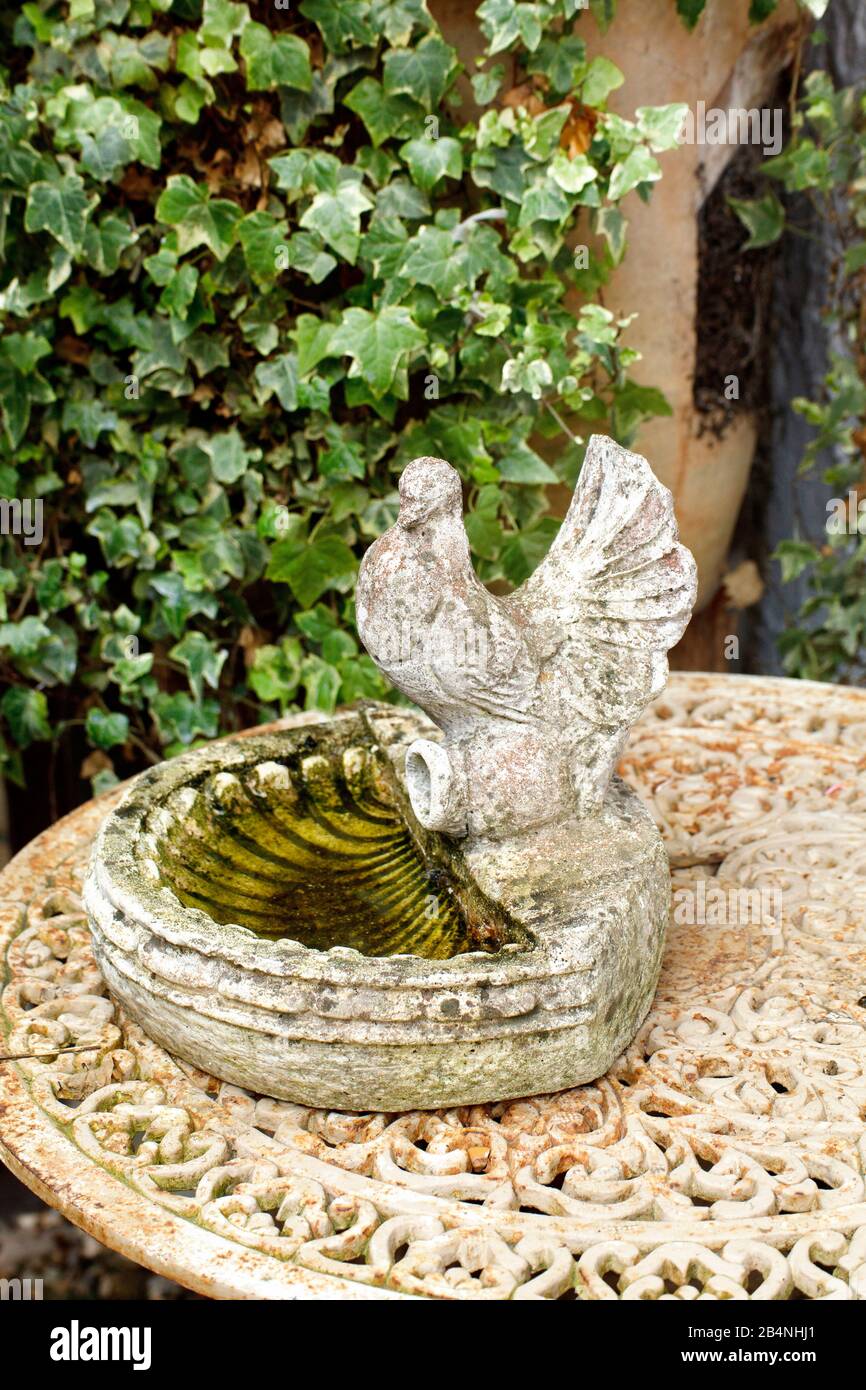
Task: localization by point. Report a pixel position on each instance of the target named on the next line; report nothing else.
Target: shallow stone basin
(310, 847)
(270, 910)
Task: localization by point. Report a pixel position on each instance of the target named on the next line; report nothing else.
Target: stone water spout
(535, 692)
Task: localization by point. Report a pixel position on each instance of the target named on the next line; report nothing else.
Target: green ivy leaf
(795, 556)
(261, 237)
(221, 21)
(276, 672)
(562, 61)
(433, 258)
(602, 78)
(132, 61)
(690, 11)
(485, 85)
(360, 679)
(572, 175)
(337, 219)
(763, 218)
(275, 59)
(300, 109)
(106, 730)
(105, 241)
(661, 126)
(378, 343)
(88, 418)
(23, 639)
(26, 713)
(25, 350)
(318, 624)
(493, 318)
(321, 683)
(343, 460)
(228, 456)
(202, 659)
(141, 128)
(343, 24)
(545, 202)
(305, 253)
(604, 13)
(181, 720)
(612, 226)
(398, 19)
(313, 337)
(524, 552)
(430, 160)
(383, 246)
(802, 166)
(309, 569)
(504, 21)
(523, 465)
(279, 375)
(402, 199)
(643, 400)
(383, 115)
(424, 72)
(179, 291)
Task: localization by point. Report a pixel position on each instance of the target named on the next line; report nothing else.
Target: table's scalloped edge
(116, 1215)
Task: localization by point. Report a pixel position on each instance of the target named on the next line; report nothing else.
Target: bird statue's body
(535, 692)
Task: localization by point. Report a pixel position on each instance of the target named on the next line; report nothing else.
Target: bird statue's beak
(409, 516)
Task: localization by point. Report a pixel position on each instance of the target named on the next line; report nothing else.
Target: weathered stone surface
(536, 691)
(281, 912)
(580, 917)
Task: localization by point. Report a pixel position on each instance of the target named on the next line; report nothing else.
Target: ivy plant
(825, 165)
(254, 258)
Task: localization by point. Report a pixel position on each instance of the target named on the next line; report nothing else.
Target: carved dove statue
(535, 692)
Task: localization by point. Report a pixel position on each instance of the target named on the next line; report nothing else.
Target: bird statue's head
(428, 487)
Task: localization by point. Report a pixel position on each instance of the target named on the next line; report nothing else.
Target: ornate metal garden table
(723, 1156)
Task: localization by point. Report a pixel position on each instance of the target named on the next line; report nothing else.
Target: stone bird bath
(377, 912)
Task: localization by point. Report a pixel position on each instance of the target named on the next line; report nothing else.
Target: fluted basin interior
(310, 846)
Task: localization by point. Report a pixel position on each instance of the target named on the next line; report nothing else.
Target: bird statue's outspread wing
(616, 589)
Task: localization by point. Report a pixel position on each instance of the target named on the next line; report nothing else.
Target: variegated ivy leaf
(60, 208)
(200, 220)
(505, 21)
(661, 126)
(639, 167)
